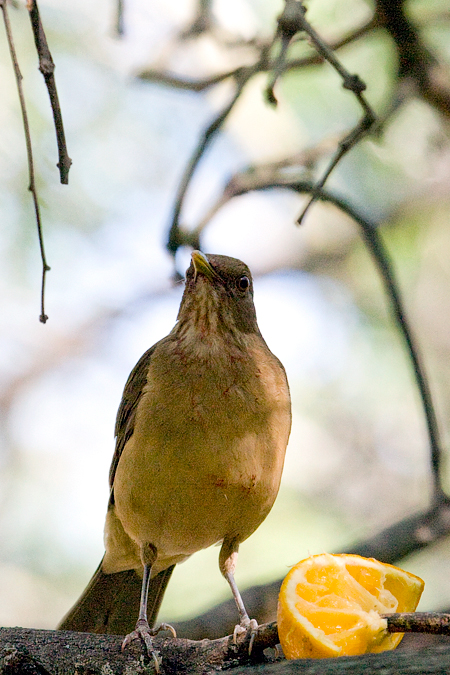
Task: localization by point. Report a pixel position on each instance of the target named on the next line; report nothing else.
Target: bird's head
(218, 297)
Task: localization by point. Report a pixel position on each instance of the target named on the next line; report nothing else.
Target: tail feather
(110, 602)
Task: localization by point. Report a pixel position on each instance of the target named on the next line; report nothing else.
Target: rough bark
(25, 651)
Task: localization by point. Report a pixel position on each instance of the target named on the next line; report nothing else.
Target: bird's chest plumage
(208, 433)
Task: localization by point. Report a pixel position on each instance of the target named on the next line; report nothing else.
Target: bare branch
(32, 186)
(176, 236)
(47, 68)
(316, 59)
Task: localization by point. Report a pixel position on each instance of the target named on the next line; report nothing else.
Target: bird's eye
(243, 283)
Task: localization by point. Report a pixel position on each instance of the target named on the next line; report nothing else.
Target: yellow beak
(203, 266)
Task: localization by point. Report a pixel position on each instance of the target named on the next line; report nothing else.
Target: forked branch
(293, 21)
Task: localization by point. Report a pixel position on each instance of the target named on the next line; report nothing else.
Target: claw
(145, 633)
(246, 625)
(253, 627)
(238, 630)
(165, 626)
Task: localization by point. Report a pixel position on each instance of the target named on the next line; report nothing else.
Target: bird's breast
(208, 446)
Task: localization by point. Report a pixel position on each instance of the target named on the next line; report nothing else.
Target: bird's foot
(246, 626)
(143, 632)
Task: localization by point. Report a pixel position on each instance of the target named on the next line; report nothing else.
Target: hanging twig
(32, 186)
(344, 146)
(47, 68)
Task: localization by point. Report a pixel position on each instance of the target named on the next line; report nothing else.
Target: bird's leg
(227, 563)
(142, 629)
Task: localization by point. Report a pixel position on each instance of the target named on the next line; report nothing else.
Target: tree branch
(191, 85)
(47, 68)
(202, 22)
(32, 185)
(39, 652)
(58, 652)
(415, 61)
(264, 65)
(437, 623)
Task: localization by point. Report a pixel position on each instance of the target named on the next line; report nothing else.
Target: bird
(201, 434)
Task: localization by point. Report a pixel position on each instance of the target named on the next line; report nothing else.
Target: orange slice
(330, 605)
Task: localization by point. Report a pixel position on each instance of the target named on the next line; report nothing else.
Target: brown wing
(127, 410)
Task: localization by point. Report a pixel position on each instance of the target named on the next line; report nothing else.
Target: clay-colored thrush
(201, 434)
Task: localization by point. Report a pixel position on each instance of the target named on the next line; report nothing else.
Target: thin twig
(203, 20)
(316, 59)
(278, 69)
(281, 65)
(120, 26)
(437, 623)
(353, 83)
(344, 146)
(191, 85)
(176, 237)
(32, 186)
(383, 262)
(47, 68)
(263, 65)
(290, 22)
(418, 622)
